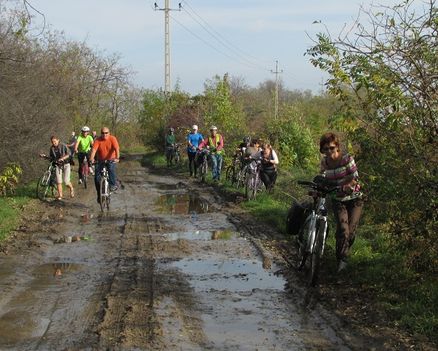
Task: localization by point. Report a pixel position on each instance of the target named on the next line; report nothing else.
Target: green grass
(136, 149)
(11, 209)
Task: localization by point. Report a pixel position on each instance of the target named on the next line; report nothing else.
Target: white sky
(253, 30)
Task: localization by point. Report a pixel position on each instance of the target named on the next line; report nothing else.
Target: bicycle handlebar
(324, 188)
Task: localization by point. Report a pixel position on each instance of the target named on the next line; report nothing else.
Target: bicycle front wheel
(250, 187)
(229, 173)
(303, 236)
(85, 172)
(43, 186)
(315, 261)
(104, 194)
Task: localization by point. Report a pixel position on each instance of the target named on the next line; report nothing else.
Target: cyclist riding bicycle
(83, 149)
(106, 148)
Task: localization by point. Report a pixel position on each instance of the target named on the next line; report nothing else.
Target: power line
(222, 40)
(208, 44)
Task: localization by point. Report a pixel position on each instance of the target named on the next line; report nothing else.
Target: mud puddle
(181, 204)
(202, 235)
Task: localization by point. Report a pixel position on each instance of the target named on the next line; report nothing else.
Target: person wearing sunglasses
(106, 148)
(339, 169)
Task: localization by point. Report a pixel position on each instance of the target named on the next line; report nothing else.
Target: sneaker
(113, 188)
(342, 265)
(91, 170)
(80, 181)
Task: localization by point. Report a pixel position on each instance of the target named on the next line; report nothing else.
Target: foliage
(294, 142)
(385, 77)
(9, 179)
(220, 110)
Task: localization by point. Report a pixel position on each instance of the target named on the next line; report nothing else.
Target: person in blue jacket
(193, 140)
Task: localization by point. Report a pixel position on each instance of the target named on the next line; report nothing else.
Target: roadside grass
(11, 208)
(135, 149)
(376, 267)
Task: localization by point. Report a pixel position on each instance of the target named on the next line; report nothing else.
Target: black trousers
(268, 176)
(192, 164)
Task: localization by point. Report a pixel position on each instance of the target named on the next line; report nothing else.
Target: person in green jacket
(170, 142)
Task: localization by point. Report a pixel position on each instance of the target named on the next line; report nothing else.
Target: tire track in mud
(129, 318)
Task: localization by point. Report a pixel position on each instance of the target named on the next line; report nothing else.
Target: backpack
(296, 216)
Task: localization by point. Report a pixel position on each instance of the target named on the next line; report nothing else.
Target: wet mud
(168, 267)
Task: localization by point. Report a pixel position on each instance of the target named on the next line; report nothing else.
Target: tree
(385, 75)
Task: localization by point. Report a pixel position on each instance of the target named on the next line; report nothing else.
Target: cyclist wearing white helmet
(215, 143)
(194, 138)
(82, 148)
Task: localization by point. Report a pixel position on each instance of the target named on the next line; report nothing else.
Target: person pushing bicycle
(215, 144)
(59, 153)
(106, 148)
(340, 170)
(83, 149)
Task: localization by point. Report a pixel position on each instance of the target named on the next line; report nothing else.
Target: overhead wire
(206, 42)
(221, 39)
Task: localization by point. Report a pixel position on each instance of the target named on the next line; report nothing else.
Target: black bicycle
(313, 232)
(46, 185)
(232, 171)
(202, 159)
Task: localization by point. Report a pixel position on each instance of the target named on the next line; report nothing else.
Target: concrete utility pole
(166, 10)
(276, 72)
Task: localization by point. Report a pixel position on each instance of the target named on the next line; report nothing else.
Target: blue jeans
(111, 166)
(216, 166)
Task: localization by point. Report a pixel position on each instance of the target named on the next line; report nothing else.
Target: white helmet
(213, 128)
(195, 127)
(85, 129)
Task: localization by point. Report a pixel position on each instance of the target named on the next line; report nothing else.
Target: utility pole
(166, 10)
(276, 72)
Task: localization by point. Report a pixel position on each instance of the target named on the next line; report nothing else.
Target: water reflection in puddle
(56, 269)
(234, 275)
(182, 204)
(202, 235)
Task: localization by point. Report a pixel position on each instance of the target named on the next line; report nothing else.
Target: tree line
(52, 86)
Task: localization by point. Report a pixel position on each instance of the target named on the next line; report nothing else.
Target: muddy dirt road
(167, 268)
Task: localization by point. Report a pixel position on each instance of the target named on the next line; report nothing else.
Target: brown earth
(172, 265)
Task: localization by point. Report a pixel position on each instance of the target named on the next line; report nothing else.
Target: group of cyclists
(89, 147)
(337, 167)
(198, 146)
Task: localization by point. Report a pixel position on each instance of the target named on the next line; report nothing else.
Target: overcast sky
(241, 37)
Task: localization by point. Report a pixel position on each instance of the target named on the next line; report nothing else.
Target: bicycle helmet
(246, 139)
(171, 129)
(213, 128)
(85, 129)
(195, 127)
